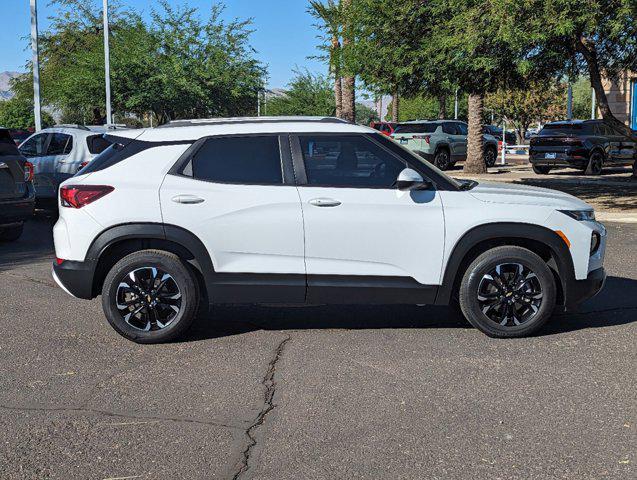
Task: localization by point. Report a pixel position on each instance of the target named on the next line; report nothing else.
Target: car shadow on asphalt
(615, 305)
(35, 244)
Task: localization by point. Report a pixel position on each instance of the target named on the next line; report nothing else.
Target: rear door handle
(187, 199)
(324, 202)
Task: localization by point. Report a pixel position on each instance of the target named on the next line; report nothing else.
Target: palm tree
(331, 18)
(475, 141)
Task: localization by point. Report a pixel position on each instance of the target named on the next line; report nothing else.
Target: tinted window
(34, 147)
(462, 128)
(120, 149)
(565, 129)
(60, 144)
(245, 160)
(416, 128)
(348, 160)
(97, 144)
(449, 128)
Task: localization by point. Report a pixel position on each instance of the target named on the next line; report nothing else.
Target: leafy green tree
(572, 37)
(177, 65)
(582, 98)
(307, 94)
(428, 108)
(540, 102)
(17, 112)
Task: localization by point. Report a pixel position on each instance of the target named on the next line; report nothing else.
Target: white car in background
(58, 153)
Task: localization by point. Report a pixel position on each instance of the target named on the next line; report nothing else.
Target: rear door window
(253, 160)
(34, 146)
(60, 144)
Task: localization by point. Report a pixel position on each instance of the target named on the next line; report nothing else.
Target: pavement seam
(268, 405)
(117, 415)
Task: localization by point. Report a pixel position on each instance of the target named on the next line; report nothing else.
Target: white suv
(311, 211)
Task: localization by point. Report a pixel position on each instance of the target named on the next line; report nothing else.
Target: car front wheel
(507, 292)
(150, 296)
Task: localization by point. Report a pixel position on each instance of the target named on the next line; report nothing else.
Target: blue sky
(284, 36)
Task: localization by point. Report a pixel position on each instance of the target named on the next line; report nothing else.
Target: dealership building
(622, 98)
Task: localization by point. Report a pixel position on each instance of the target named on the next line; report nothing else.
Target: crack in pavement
(109, 413)
(268, 405)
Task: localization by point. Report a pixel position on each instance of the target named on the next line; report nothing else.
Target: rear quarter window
(97, 144)
(416, 128)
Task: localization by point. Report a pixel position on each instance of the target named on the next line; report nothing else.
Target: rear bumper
(563, 161)
(581, 290)
(75, 278)
(17, 210)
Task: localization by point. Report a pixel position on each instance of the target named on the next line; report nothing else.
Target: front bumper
(17, 210)
(578, 291)
(75, 278)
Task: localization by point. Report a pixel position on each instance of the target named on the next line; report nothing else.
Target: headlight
(580, 215)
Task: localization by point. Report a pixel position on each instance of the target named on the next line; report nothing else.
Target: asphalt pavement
(314, 393)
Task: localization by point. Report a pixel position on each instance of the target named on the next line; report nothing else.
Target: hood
(526, 195)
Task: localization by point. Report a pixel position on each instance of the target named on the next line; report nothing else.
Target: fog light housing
(596, 240)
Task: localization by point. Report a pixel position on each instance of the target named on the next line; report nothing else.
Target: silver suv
(442, 142)
(58, 153)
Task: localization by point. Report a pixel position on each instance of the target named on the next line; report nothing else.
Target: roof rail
(243, 120)
(71, 125)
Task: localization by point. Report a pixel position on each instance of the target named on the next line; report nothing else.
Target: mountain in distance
(5, 89)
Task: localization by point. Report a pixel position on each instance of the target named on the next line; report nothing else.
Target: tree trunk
(475, 141)
(338, 96)
(442, 107)
(395, 108)
(349, 81)
(589, 53)
(336, 69)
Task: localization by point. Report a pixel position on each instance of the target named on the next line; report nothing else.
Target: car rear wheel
(595, 164)
(11, 234)
(150, 296)
(541, 170)
(508, 292)
(441, 159)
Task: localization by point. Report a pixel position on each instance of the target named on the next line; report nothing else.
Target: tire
(441, 159)
(541, 170)
(595, 163)
(11, 234)
(152, 314)
(514, 303)
(490, 156)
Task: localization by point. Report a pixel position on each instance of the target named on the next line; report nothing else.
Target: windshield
(397, 147)
(416, 128)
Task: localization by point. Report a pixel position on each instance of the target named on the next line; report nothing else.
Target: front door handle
(187, 199)
(324, 202)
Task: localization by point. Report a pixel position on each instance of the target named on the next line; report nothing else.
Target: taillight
(76, 196)
(28, 172)
(426, 138)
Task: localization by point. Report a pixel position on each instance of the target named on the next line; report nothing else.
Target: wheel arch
(540, 240)
(118, 241)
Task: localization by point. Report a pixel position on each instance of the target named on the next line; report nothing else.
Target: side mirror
(410, 179)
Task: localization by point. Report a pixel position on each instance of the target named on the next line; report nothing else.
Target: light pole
(569, 102)
(455, 106)
(107, 65)
(36, 66)
(593, 104)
